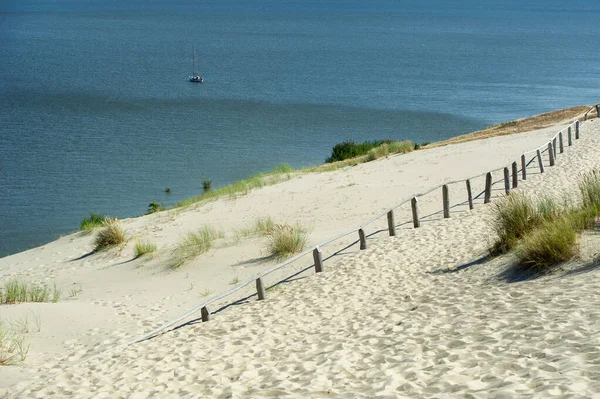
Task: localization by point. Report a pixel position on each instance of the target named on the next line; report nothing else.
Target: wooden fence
(511, 179)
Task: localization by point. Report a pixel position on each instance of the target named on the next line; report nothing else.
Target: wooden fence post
(540, 161)
(391, 223)
(554, 147)
(414, 204)
(363, 240)
(205, 313)
(318, 258)
(260, 289)
(570, 136)
(446, 201)
(469, 194)
(506, 181)
(551, 154)
(488, 188)
(515, 175)
(576, 130)
(523, 167)
(560, 143)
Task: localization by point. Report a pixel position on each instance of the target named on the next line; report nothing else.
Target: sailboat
(195, 78)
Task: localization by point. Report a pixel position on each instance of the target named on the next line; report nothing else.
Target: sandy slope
(387, 321)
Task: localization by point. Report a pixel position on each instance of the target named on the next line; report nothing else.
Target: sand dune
(422, 314)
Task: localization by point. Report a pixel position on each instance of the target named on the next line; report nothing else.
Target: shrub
(349, 149)
(206, 184)
(143, 247)
(550, 243)
(155, 207)
(194, 244)
(285, 240)
(110, 235)
(91, 222)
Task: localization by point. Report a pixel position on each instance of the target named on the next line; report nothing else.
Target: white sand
(385, 322)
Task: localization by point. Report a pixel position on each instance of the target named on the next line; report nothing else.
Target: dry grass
(286, 240)
(194, 244)
(552, 242)
(515, 216)
(143, 247)
(13, 346)
(111, 234)
(520, 125)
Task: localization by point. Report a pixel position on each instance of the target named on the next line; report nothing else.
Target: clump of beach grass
(590, 190)
(19, 291)
(515, 216)
(110, 235)
(286, 240)
(13, 347)
(194, 244)
(544, 233)
(552, 242)
(143, 247)
(91, 222)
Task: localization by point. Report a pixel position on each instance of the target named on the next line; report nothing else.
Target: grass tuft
(110, 235)
(143, 247)
(13, 347)
(590, 190)
(194, 244)
(550, 243)
(286, 240)
(19, 291)
(515, 216)
(91, 222)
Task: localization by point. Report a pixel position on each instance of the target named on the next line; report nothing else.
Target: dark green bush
(350, 149)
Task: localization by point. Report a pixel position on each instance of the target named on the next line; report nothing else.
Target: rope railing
(548, 147)
(593, 108)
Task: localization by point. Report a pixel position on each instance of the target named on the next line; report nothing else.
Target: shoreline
(136, 295)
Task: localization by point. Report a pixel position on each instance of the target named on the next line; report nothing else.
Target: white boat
(195, 78)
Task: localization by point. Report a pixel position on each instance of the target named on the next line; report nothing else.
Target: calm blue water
(96, 113)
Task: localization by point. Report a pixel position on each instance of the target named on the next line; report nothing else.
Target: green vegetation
(155, 207)
(551, 242)
(206, 184)
(91, 222)
(13, 347)
(286, 240)
(110, 235)
(240, 187)
(19, 291)
(194, 244)
(143, 247)
(350, 149)
(544, 233)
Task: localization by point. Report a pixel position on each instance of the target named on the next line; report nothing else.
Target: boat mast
(193, 60)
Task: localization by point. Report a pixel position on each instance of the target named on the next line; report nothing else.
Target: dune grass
(286, 240)
(552, 242)
(544, 233)
(143, 247)
(92, 221)
(13, 347)
(19, 291)
(194, 244)
(110, 235)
